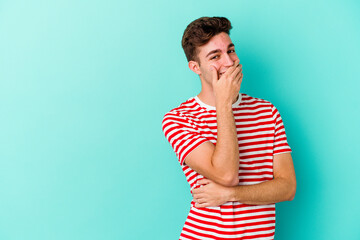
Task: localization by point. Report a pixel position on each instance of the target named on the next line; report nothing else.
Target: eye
(231, 51)
(214, 57)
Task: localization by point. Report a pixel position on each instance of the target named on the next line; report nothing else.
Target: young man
(232, 147)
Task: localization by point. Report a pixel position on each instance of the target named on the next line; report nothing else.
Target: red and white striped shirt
(261, 135)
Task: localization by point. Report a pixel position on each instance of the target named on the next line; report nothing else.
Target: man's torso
(261, 134)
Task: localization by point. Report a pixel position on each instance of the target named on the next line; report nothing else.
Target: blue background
(84, 86)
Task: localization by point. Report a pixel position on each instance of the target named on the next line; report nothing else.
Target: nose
(228, 61)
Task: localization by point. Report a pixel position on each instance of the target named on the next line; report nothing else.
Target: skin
(221, 76)
(281, 188)
(221, 61)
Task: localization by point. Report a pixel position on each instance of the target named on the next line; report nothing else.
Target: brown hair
(200, 31)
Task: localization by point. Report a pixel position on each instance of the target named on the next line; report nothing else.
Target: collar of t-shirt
(235, 104)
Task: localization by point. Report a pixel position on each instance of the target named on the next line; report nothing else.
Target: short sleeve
(181, 134)
(280, 141)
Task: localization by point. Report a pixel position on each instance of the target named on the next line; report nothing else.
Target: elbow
(292, 196)
(231, 181)
(292, 192)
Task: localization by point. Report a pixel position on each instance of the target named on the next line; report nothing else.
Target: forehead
(220, 41)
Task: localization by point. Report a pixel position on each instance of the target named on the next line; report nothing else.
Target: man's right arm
(220, 162)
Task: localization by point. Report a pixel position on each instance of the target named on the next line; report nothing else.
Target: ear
(194, 66)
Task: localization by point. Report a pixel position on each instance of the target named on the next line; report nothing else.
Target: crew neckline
(235, 104)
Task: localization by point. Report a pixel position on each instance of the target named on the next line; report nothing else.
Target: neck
(207, 95)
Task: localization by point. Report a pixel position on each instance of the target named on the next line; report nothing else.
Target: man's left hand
(210, 194)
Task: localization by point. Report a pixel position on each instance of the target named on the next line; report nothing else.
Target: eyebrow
(218, 50)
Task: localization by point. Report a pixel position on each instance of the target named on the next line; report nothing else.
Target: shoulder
(184, 110)
(258, 105)
(263, 106)
(181, 114)
(249, 101)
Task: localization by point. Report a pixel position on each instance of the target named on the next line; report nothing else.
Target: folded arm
(281, 188)
(220, 162)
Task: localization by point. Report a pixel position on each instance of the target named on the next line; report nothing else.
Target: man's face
(218, 52)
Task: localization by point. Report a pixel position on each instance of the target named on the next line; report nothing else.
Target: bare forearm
(281, 188)
(273, 191)
(226, 153)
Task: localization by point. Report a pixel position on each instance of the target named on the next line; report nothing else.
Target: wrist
(226, 102)
(230, 194)
(223, 107)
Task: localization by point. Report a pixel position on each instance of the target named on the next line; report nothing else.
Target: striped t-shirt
(261, 135)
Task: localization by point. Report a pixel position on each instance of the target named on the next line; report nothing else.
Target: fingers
(199, 198)
(231, 69)
(236, 72)
(238, 77)
(214, 74)
(236, 63)
(200, 202)
(198, 190)
(201, 205)
(203, 181)
(198, 193)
